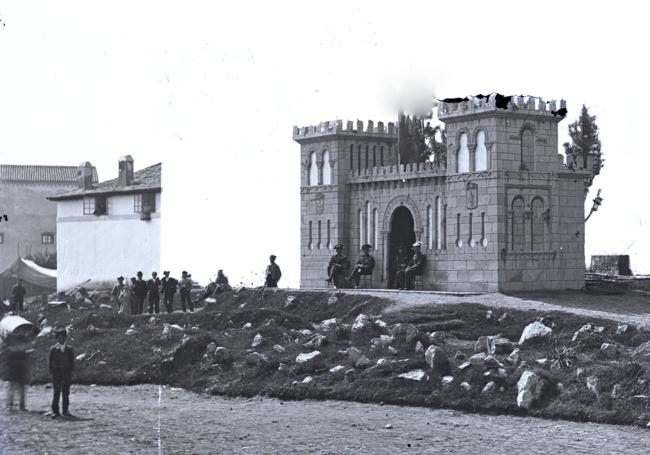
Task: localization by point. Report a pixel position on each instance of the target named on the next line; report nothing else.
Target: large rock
(354, 354)
(436, 359)
(328, 325)
(529, 389)
(257, 340)
(642, 354)
(309, 361)
(587, 332)
(221, 354)
(257, 359)
(610, 351)
(533, 331)
(406, 332)
(382, 342)
(498, 345)
(477, 359)
(414, 375)
(363, 362)
(361, 329)
(491, 363)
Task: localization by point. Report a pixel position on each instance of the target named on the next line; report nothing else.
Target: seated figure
(365, 265)
(404, 278)
(338, 267)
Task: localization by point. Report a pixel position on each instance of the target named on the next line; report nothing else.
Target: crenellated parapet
(408, 171)
(350, 128)
(530, 105)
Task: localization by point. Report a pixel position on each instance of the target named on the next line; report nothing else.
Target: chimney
(85, 175)
(125, 176)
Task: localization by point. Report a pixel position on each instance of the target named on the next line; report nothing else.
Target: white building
(109, 229)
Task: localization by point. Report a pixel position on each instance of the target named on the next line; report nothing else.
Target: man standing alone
(273, 273)
(18, 293)
(61, 365)
(140, 293)
(186, 287)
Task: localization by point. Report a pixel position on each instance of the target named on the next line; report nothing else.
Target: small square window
(101, 205)
(144, 202)
(137, 203)
(89, 206)
(47, 238)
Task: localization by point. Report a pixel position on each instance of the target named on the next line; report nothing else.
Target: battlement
(408, 171)
(336, 127)
(515, 104)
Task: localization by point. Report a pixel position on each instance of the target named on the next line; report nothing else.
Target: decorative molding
(406, 201)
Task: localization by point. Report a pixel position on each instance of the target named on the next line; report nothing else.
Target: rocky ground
(147, 420)
(505, 358)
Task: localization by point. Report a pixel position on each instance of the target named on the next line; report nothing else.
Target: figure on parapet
(338, 267)
(18, 296)
(140, 292)
(61, 363)
(153, 286)
(185, 288)
(222, 282)
(169, 289)
(272, 274)
(404, 277)
(365, 265)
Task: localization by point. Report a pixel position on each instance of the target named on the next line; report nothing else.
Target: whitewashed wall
(103, 247)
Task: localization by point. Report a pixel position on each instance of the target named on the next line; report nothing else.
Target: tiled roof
(144, 179)
(41, 174)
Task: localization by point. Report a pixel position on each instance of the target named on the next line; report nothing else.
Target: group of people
(406, 267)
(15, 359)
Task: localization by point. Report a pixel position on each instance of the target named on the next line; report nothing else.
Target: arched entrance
(402, 234)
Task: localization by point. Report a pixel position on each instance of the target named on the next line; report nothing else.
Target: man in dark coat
(153, 286)
(18, 293)
(400, 260)
(168, 285)
(185, 287)
(141, 289)
(273, 273)
(338, 267)
(222, 282)
(61, 364)
(404, 278)
(365, 265)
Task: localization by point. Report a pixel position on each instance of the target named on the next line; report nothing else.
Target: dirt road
(137, 420)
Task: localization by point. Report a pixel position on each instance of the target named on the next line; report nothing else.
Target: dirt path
(405, 299)
(125, 420)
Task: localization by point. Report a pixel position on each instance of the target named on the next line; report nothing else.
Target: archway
(401, 234)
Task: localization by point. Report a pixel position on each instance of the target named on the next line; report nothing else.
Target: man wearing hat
(140, 292)
(365, 265)
(185, 288)
(153, 286)
(404, 278)
(18, 293)
(272, 273)
(61, 364)
(117, 291)
(168, 285)
(338, 267)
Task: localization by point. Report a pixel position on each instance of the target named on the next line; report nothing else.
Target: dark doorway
(401, 234)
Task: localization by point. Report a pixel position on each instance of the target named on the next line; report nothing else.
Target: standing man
(221, 282)
(365, 265)
(140, 292)
(153, 286)
(399, 263)
(16, 365)
(272, 274)
(18, 293)
(117, 291)
(168, 285)
(338, 267)
(185, 288)
(404, 278)
(61, 365)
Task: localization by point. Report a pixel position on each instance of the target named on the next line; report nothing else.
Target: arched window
(369, 228)
(537, 225)
(374, 156)
(320, 243)
(361, 242)
(518, 225)
(329, 235)
(351, 157)
(438, 223)
(429, 227)
(358, 159)
(313, 170)
(327, 169)
(480, 157)
(527, 157)
(381, 155)
(309, 245)
(463, 154)
(367, 161)
(444, 227)
(376, 230)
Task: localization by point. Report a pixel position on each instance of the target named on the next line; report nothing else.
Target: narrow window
(429, 227)
(309, 245)
(351, 157)
(47, 238)
(329, 235)
(374, 156)
(518, 227)
(444, 227)
(327, 169)
(367, 161)
(463, 154)
(459, 241)
(376, 225)
(537, 225)
(471, 231)
(313, 170)
(368, 224)
(101, 205)
(527, 150)
(483, 238)
(358, 159)
(89, 206)
(319, 236)
(480, 157)
(438, 223)
(137, 203)
(360, 228)
(381, 155)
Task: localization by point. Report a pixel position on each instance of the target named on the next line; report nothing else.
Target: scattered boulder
(131, 330)
(488, 314)
(498, 345)
(361, 329)
(616, 391)
(610, 351)
(332, 299)
(491, 363)
(496, 374)
(464, 366)
(436, 359)
(382, 342)
(406, 332)
(622, 328)
(381, 362)
(465, 385)
(513, 358)
(350, 375)
(477, 359)
(503, 317)
(641, 354)
(248, 325)
(489, 387)
(337, 369)
(414, 375)
(80, 357)
(592, 384)
(459, 355)
(257, 340)
(380, 324)
(317, 342)
(419, 347)
(328, 325)
(586, 332)
(290, 299)
(279, 349)
(446, 380)
(284, 368)
(392, 351)
(257, 359)
(45, 331)
(438, 337)
(309, 361)
(354, 354)
(222, 355)
(306, 380)
(306, 332)
(363, 362)
(529, 389)
(534, 331)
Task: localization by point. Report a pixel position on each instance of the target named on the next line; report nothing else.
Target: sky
(214, 90)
